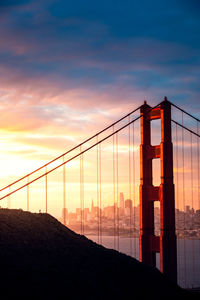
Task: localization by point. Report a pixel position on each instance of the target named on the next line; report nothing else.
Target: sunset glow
(66, 74)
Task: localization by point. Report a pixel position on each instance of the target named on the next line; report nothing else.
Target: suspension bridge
(133, 186)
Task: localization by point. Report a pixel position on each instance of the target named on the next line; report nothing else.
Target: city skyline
(121, 220)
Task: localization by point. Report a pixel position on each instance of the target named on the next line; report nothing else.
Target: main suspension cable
(182, 126)
(183, 111)
(70, 159)
(72, 149)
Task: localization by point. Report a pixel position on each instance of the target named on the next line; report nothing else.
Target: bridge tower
(165, 243)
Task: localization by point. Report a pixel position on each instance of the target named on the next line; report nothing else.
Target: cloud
(76, 58)
(68, 69)
(62, 65)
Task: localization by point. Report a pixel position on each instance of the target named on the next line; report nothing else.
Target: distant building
(121, 204)
(108, 212)
(128, 203)
(95, 211)
(128, 207)
(121, 200)
(78, 214)
(187, 209)
(198, 212)
(86, 214)
(72, 218)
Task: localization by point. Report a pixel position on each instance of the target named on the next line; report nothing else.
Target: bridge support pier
(150, 244)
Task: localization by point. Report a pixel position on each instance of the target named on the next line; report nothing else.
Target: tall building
(128, 203)
(95, 210)
(121, 204)
(187, 209)
(78, 214)
(86, 214)
(108, 212)
(128, 207)
(121, 200)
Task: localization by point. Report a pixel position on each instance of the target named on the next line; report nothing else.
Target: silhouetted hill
(42, 259)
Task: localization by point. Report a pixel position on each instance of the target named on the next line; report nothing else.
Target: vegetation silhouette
(41, 258)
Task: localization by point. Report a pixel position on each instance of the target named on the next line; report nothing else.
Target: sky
(70, 68)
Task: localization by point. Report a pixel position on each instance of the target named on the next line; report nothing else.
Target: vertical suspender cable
(82, 191)
(117, 175)
(98, 235)
(177, 166)
(114, 186)
(198, 173)
(64, 193)
(134, 194)
(100, 206)
(183, 187)
(81, 208)
(191, 170)
(177, 193)
(81, 194)
(27, 204)
(46, 188)
(129, 168)
(83, 204)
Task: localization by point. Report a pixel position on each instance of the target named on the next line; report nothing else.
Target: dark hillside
(42, 259)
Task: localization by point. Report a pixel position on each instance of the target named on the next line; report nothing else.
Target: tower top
(165, 98)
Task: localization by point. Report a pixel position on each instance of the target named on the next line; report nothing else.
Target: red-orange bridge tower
(165, 243)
